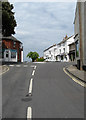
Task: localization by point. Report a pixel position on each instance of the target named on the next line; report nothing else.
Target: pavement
(53, 93)
(78, 74)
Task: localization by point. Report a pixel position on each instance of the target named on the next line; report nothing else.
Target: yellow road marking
(5, 71)
(74, 79)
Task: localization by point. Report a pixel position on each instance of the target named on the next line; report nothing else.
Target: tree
(33, 55)
(8, 20)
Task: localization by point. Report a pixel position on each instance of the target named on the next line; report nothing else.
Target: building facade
(12, 50)
(50, 53)
(80, 34)
(63, 49)
(72, 51)
(60, 51)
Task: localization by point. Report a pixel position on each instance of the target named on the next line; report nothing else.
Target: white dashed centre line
(29, 113)
(32, 66)
(35, 67)
(11, 65)
(33, 72)
(25, 65)
(31, 87)
(18, 65)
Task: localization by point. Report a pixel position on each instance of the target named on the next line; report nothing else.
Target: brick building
(12, 49)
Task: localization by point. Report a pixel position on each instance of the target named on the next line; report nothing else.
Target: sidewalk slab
(76, 73)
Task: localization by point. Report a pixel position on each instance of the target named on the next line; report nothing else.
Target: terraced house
(63, 49)
(12, 49)
(60, 51)
(50, 53)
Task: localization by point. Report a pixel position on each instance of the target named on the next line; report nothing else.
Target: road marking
(18, 65)
(29, 113)
(5, 71)
(4, 65)
(11, 65)
(74, 79)
(30, 87)
(33, 72)
(32, 66)
(35, 67)
(25, 65)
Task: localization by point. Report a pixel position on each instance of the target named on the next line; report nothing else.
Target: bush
(40, 59)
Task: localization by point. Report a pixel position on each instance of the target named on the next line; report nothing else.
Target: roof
(9, 38)
(49, 47)
(76, 35)
(64, 40)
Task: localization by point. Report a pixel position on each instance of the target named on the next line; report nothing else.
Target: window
(49, 52)
(14, 44)
(64, 50)
(54, 49)
(77, 49)
(13, 54)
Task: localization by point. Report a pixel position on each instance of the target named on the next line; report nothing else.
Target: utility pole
(80, 35)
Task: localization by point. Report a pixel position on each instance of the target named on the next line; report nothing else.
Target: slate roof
(49, 47)
(64, 40)
(8, 38)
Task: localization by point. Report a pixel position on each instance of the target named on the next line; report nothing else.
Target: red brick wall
(9, 45)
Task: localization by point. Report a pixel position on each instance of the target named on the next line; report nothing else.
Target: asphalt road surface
(53, 93)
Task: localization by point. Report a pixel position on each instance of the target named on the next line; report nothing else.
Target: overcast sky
(42, 24)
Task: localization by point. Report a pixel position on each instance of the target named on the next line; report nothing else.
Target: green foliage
(8, 20)
(40, 59)
(33, 55)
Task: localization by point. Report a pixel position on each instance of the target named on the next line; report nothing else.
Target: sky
(42, 24)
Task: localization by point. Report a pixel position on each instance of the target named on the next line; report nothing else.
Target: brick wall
(9, 44)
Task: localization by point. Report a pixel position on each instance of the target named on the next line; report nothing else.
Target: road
(54, 94)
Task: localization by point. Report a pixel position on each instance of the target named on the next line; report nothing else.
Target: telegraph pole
(80, 36)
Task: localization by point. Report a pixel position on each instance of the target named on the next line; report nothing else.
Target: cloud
(39, 25)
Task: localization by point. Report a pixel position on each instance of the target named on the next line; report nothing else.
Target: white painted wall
(58, 50)
(22, 56)
(69, 41)
(65, 46)
(50, 54)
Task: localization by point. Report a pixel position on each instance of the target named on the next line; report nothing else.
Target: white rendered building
(60, 51)
(63, 49)
(50, 53)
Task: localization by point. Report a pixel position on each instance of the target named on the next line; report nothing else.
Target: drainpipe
(80, 35)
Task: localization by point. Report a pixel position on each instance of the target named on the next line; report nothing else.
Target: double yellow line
(74, 79)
